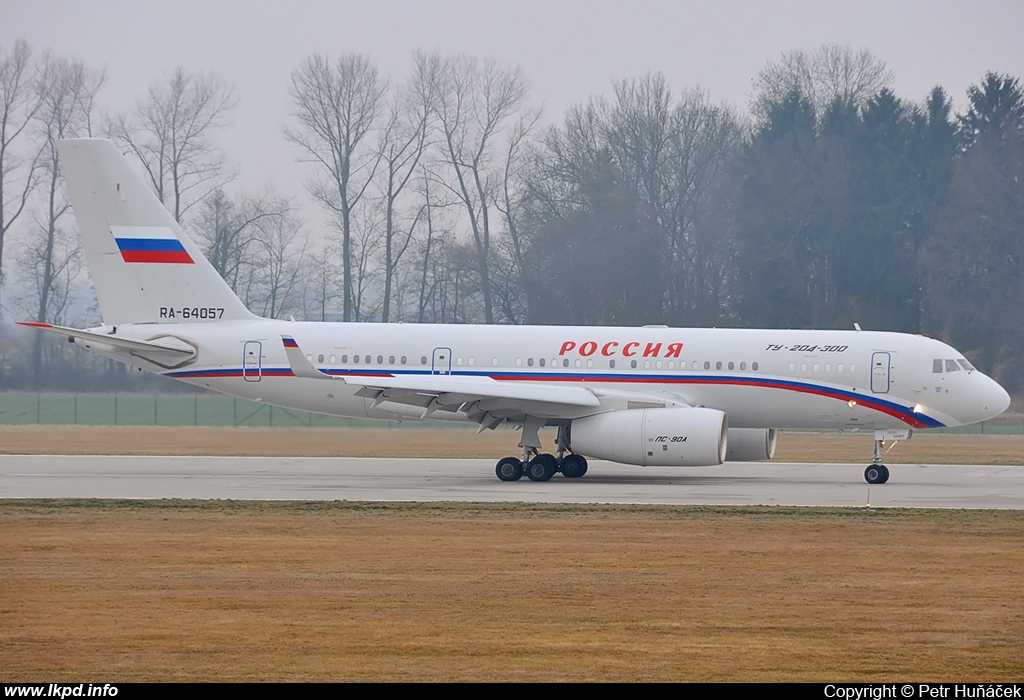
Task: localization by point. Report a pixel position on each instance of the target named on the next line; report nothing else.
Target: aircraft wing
(447, 392)
(147, 347)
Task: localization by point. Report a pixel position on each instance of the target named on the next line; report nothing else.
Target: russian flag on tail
(150, 244)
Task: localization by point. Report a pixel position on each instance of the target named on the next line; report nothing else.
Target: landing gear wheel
(876, 474)
(574, 466)
(509, 469)
(541, 468)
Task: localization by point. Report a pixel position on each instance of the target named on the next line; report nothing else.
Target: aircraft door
(880, 372)
(252, 361)
(441, 363)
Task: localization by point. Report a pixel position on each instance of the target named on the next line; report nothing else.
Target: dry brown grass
(927, 448)
(340, 591)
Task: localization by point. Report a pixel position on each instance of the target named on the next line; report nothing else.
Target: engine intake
(654, 437)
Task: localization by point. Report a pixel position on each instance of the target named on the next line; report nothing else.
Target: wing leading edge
(474, 395)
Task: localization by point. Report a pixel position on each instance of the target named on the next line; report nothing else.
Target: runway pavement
(355, 479)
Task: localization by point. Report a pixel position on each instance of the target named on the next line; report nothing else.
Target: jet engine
(654, 437)
(751, 444)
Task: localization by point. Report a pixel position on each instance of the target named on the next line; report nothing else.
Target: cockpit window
(966, 365)
(937, 366)
(952, 366)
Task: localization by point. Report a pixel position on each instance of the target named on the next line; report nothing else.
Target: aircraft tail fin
(143, 266)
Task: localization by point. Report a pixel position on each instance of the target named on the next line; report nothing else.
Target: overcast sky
(569, 49)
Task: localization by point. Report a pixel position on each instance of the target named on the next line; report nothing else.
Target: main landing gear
(538, 466)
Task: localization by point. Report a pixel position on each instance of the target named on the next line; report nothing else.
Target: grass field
(188, 591)
(458, 442)
(327, 591)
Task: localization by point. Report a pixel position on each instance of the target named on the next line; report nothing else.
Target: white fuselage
(759, 378)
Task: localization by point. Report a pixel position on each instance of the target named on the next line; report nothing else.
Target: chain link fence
(158, 409)
(215, 410)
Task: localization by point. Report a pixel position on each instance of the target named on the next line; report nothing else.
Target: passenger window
(743, 366)
(754, 366)
(611, 363)
(565, 362)
(423, 360)
(391, 360)
(937, 366)
(632, 363)
(731, 365)
(380, 359)
(540, 361)
(707, 365)
(344, 359)
(403, 359)
(529, 362)
(332, 359)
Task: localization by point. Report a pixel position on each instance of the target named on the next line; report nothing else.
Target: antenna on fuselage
(856, 326)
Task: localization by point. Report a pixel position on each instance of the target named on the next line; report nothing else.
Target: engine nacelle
(654, 437)
(751, 444)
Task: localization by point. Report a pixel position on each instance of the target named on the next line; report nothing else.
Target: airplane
(647, 396)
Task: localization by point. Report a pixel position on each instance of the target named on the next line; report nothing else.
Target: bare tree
(19, 101)
(402, 142)
(474, 103)
(170, 133)
(830, 72)
(336, 106)
(677, 151)
(274, 281)
(320, 290)
(513, 196)
(226, 228)
(67, 92)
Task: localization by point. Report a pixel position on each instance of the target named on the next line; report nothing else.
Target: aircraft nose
(999, 399)
(996, 399)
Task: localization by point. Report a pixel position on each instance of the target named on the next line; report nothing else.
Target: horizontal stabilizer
(148, 347)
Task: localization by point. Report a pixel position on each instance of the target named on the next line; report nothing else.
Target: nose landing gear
(877, 472)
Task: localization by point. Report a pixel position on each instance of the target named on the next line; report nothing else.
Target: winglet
(302, 367)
